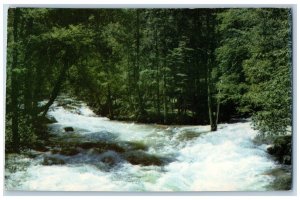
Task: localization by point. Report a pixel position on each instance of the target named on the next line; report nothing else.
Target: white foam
(225, 160)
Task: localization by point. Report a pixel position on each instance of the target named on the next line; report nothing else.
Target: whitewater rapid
(225, 160)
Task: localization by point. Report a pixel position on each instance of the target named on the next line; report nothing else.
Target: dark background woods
(169, 66)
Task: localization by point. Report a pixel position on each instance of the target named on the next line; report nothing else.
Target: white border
(137, 3)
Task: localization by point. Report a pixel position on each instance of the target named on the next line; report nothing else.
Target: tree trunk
(210, 62)
(212, 120)
(141, 110)
(14, 85)
(157, 73)
(29, 76)
(28, 92)
(110, 104)
(164, 94)
(218, 108)
(165, 104)
(57, 87)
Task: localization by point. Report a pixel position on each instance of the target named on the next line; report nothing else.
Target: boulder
(67, 151)
(110, 158)
(51, 120)
(53, 161)
(69, 129)
(40, 146)
(102, 146)
(143, 158)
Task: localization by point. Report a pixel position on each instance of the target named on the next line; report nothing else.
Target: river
(105, 155)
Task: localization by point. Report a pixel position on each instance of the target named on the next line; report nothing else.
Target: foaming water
(225, 160)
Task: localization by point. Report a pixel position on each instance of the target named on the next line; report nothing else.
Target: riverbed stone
(68, 151)
(69, 129)
(101, 146)
(143, 158)
(53, 161)
(110, 158)
(131, 146)
(40, 146)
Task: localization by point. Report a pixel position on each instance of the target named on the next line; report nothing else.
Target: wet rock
(101, 136)
(53, 161)
(282, 149)
(111, 158)
(51, 119)
(102, 146)
(40, 146)
(69, 129)
(32, 154)
(92, 151)
(131, 146)
(143, 158)
(69, 151)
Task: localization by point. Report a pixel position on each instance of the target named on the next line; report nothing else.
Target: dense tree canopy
(256, 65)
(171, 66)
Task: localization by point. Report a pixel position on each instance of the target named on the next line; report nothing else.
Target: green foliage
(255, 58)
(150, 65)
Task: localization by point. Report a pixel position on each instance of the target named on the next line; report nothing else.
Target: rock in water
(51, 119)
(69, 129)
(110, 157)
(143, 158)
(53, 161)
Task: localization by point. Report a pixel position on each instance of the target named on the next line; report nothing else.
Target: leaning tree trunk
(57, 87)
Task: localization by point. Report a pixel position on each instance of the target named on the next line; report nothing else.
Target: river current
(185, 158)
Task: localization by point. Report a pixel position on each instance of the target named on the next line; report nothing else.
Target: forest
(153, 66)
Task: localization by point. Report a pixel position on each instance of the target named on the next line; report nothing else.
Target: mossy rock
(131, 146)
(102, 146)
(66, 140)
(70, 151)
(143, 158)
(53, 161)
